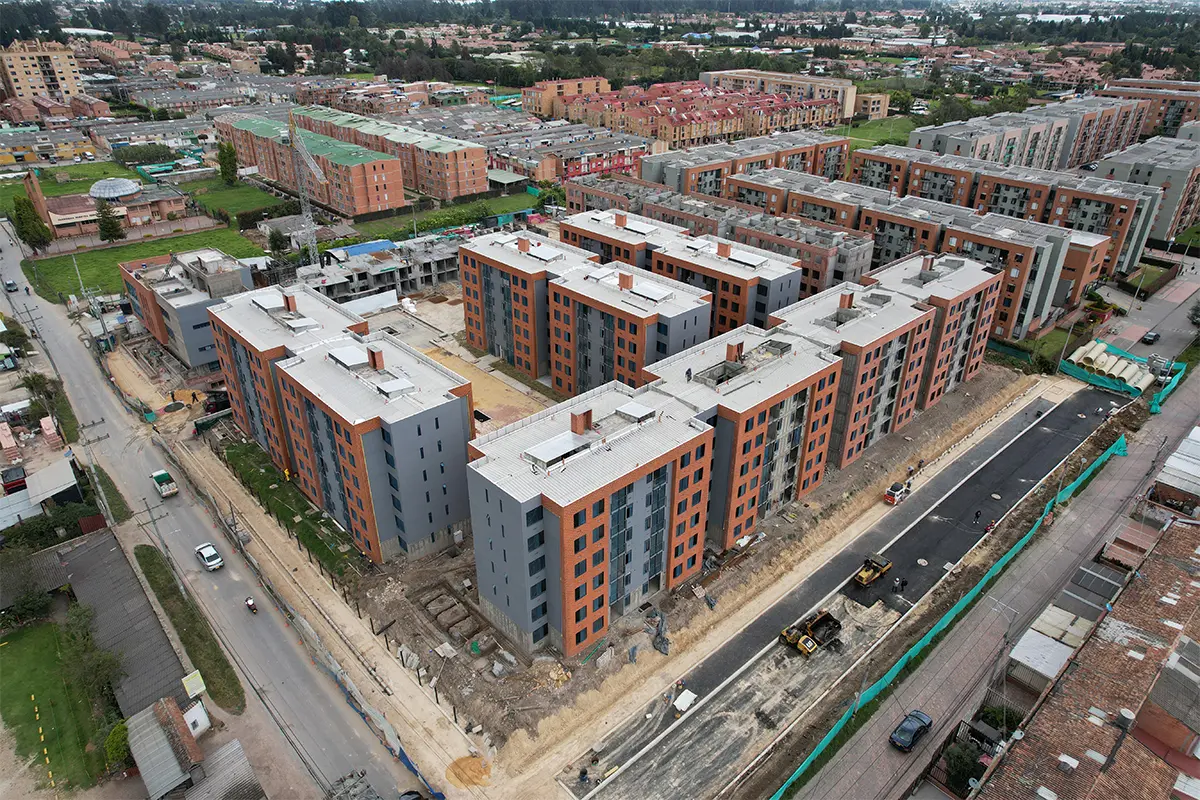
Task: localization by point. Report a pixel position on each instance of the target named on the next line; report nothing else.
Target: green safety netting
(1118, 448)
(1120, 386)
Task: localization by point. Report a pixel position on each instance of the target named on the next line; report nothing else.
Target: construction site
(431, 606)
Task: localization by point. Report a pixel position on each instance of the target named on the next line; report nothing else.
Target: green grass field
(32, 675)
(402, 223)
(212, 194)
(99, 267)
(82, 176)
(867, 134)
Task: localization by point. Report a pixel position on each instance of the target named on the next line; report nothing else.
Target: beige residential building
(35, 68)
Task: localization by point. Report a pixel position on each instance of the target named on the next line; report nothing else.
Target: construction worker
(896, 586)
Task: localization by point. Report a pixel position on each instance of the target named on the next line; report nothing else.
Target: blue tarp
(369, 247)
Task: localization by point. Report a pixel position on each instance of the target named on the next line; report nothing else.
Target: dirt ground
(132, 378)
(443, 310)
(792, 750)
(503, 403)
(434, 602)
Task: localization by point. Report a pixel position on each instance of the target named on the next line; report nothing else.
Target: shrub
(1002, 718)
(962, 764)
(116, 746)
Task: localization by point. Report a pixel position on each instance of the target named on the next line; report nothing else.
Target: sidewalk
(446, 756)
(952, 680)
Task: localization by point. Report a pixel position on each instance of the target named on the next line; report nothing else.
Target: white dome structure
(114, 189)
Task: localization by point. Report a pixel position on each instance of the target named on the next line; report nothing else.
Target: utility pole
(105, 508)
(163, 545)
(32, 321)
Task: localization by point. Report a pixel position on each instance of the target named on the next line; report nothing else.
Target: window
(537, 589)
(539, 612)
(597, 533)
(580, 636)
(598, 625)
(580, 517)
(536, 541)
(580, 568)
(580, 544)
(532, 516)
(598, 558)
(581, 614)
(597, 508)
(537, 565)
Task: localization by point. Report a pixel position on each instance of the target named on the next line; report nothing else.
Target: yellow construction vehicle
(873, 568)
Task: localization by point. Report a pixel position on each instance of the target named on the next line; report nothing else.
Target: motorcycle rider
(250, 605)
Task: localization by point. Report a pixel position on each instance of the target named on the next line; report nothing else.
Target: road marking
(774, 642)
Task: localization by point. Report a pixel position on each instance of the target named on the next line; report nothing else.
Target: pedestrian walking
(193, 397)
(172, 396)
(920, 465)
(910, 470)
(903, 584)
(896, 586)
(977, 513)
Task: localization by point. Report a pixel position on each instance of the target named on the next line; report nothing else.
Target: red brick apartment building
(255, 330)
(358, 181)
(1171, 103)
(964, 295)
(540, 98)
(431, 164)
(505, 281)
(1123, 211)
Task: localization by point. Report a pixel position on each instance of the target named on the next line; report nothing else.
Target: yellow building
(34, 68)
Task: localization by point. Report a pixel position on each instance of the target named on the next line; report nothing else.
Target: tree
(1194, 313)
(29, 226)
(177, 51)
(86, 664)
(227, 159)
(901, 101)
(962, 764)
(111, 228)
(143, 153)
(551, 195)
(32, 601)
(277, 241)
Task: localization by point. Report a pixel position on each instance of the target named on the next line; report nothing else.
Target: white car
(209, 557)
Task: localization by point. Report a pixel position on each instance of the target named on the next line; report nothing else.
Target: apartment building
(378, 436)
(747, 284)
(618, 236)
(828, 254)
(606, 500)
(439, 166)
(506, 301)
(1096, 126)
(560, 153)
(171, 296)
(253, 331)
(872, 106)
(1171, 103)
(1122, 211)
(609, 322)
(703, 170)
(1050, 266)
(808, 87)
(84, 105)
(1173, 165)
(540, 98)
(357, 180)
(39, 69)
(1056, 136)
(964, 294)
(1008, 139)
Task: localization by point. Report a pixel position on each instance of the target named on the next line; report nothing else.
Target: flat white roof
(743, 261)
(259, 317)
(540, 455)
(636, 230)
(649, 296)
(339, 374)
(876, 312)
(542, 255)
(948, 277)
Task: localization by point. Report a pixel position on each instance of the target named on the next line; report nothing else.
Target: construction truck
(873, 568)
(164, 483)
(896, 493)
(819, 630)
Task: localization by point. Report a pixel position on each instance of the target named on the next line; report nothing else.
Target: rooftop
(850, 314)
(645, 295)
(627, 228)
(388, 130)
(319, 146)
(536, 256)
(261, 318)
(376, 376)
(729, 258)
(1160, 151)
(945, 277)
(540, 455)
(770, 362)
(757, 145)
(178, 279)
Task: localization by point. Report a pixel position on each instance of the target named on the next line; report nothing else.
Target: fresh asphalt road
(937, 523)
(1164, 313)
(307, 706)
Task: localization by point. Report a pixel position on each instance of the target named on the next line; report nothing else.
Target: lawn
(82, 177)
(194, 632)
(1189, 237)
(50, 276)
(868, 134)
(401, 225)
(285, 502)
(116, 501)
(213, 194)
(30, 666)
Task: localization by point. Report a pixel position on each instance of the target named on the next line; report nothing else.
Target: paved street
(307, 706)
(1165, 313)
(935, 524)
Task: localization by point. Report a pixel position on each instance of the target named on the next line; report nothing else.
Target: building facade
(40, 69)
(1171, 164)
(540, 98)
(809, 87)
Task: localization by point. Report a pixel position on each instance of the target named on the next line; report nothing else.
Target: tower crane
(302, 161)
